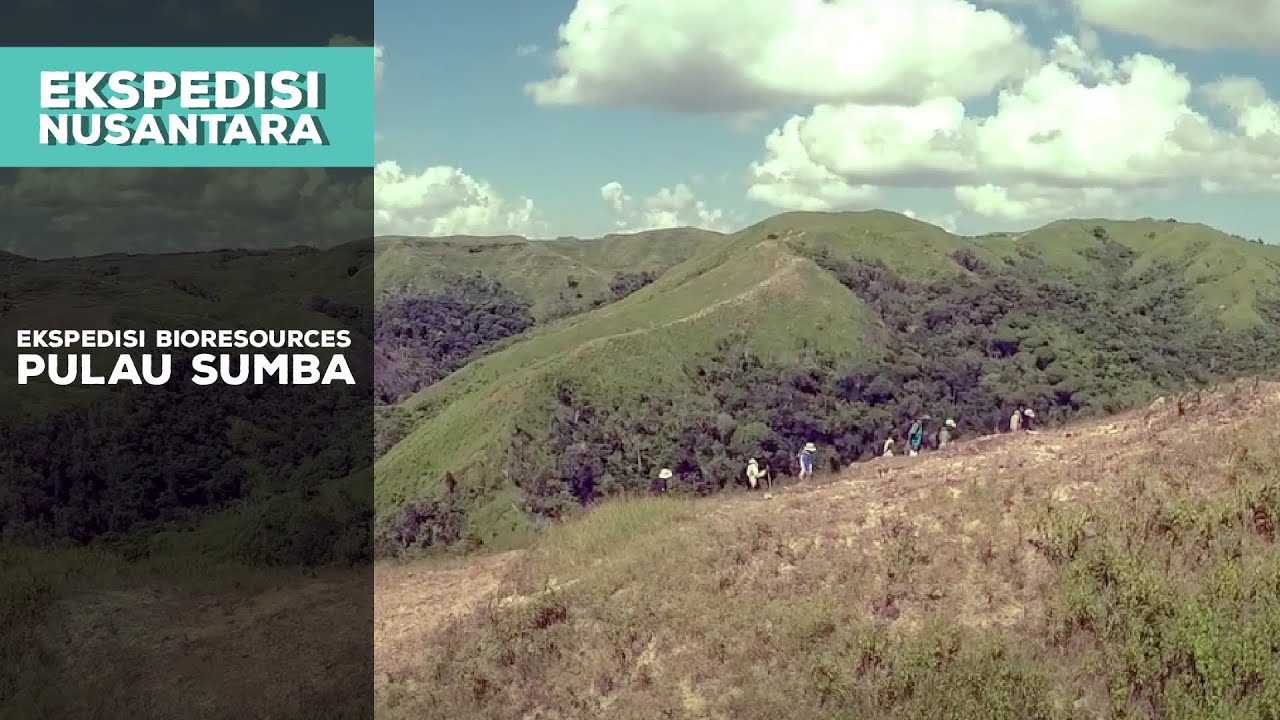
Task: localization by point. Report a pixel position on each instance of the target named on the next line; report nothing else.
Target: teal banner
(188, 107)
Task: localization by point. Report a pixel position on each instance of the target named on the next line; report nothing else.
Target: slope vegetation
(556, 277)
(832, 328)
(1125, 567)
(129, 464)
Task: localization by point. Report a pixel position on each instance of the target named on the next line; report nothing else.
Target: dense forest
(973, 348)
(419, 339)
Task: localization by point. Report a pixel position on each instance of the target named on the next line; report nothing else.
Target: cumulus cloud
(669, 207)
(790, 179)
(947, 222)
(1080, 131)
(87, 211)
(1028, 201)
(677, 55)
(1192, 24)
(442, 200)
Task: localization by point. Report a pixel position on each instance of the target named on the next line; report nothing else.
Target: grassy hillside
(1227, 274)
(557, 277)
(637, 346)
(832, 328)
(1125, 568)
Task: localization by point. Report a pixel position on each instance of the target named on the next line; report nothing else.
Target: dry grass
(1056, 574)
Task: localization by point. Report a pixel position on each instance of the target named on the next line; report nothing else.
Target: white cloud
(1028, 201)
(1192, 24)
(669, 207)
(1080, 132)
(1245, 100)
(678, 55)
(442, 200)
(379, 65)
(790, 179)
(947, 222)
(527, 50)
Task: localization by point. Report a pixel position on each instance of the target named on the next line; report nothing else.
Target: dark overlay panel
(186, 426)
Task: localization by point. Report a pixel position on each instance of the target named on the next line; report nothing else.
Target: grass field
(1122, 568)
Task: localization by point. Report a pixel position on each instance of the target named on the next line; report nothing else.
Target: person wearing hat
(1028, 418)
(887, 450)
(664, 475)
(915, 438)
(944, 435)
(754, 475)
(806, 460)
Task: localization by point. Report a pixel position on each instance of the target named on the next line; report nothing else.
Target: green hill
(831, 327)
(557, 277)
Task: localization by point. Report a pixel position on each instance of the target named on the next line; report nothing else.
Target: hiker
(753, 473)
(806, 460)
(1028, 419)
(665, 474)
(887, 451)
(944, 435)
(1015, 420)
(915, 436)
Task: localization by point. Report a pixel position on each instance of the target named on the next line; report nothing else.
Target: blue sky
(648, 109)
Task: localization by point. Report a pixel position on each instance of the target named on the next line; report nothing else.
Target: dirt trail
(414, 600)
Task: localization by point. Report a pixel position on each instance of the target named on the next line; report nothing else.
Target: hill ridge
(1076, 318)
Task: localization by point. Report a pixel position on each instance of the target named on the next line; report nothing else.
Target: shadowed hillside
(98, 463)
(1125, 567)
(836, 328)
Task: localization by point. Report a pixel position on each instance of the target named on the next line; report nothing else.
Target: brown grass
(875, 593)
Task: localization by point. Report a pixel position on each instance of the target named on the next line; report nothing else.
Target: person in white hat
(944, 435)
(1028, 418)
(664, 475)
(755, 474)
(806, 460)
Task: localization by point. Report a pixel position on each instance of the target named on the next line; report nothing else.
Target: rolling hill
(831, 327)
(556, 277)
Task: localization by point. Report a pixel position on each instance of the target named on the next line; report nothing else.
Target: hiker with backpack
(944, 435)
(755, 475)
(806, 460)
(915, 438)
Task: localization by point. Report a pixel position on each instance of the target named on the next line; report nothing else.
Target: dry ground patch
(1076, 572)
